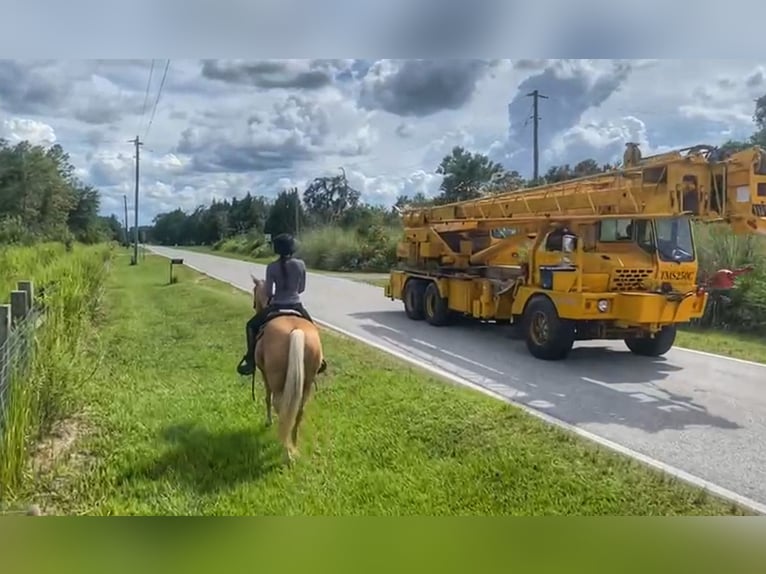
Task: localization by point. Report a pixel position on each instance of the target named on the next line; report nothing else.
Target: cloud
(16, 130)
(226, 127)
(270, 74)
(420, 87)
(294, 130)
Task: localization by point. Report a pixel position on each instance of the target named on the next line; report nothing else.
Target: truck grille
(630, 279)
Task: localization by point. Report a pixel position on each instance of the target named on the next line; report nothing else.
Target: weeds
(70, 286)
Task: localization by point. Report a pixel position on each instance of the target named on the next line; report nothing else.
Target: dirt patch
(55, 447)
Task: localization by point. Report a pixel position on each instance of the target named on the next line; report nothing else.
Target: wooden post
(19, 306)
(174, 261)
(5, 331)
(29, 287)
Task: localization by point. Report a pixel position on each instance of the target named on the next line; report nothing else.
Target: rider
(285, 281)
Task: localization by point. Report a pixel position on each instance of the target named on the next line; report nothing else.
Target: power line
(535, 95)
(157, 101)
(146, 94)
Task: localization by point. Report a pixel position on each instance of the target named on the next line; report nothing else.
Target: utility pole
(535, 95)
(138, 143)
(297, 212)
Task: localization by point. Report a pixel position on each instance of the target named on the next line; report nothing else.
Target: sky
(222, 128)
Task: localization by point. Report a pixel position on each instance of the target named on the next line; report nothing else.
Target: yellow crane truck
(608, 256)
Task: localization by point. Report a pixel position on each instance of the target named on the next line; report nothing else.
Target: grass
(44, 389)
(173, 431)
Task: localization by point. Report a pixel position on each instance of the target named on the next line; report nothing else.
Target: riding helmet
(284, 244)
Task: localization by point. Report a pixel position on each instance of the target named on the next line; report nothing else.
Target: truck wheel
(437, 311)
(548, 337)
(413, 299)
(653, 347)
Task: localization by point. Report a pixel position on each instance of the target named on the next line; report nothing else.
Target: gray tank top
(287, 288)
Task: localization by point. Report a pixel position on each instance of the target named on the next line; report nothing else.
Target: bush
(718, 248)
(72, 283)
(336, 249)
(253, 244)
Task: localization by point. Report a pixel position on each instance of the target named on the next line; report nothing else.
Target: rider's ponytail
(284, 245)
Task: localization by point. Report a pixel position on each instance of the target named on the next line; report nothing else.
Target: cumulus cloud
(294, 130)
(420, 87)
(16, 130)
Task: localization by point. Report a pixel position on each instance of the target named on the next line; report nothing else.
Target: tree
(464, 175)
(327, 198)
(287, 213)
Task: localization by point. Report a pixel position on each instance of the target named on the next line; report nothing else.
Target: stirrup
(245, 367)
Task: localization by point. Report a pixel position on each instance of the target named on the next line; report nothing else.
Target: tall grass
(371, 248)
(337, 249)
(47, 390)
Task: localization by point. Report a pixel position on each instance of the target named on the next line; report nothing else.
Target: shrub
(718, 248)
(337, 249)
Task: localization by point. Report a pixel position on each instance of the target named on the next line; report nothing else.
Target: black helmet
(284, 244)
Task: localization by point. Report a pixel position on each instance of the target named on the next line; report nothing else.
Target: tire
(413, 297)
(548, 337)
(435, 307)
(653, 347)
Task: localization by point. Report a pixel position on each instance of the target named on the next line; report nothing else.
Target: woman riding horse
(285, 281)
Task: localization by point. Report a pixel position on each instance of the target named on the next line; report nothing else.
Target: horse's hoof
(269, 422)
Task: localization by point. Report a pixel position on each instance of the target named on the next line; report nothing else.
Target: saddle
(273, 315)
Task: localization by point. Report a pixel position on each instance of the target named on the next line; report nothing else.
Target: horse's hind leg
(267, 394)
(298, 419)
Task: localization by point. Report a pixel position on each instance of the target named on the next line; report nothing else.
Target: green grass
(173, 430)
(45, 389)
(728, 344)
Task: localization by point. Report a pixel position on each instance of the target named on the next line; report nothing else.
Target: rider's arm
(302, 279)
(269, 281)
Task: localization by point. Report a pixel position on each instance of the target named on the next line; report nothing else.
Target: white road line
(425, 343)
(711, 487)
(471, 361)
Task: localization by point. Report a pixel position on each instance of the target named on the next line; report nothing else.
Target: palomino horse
(288, 354)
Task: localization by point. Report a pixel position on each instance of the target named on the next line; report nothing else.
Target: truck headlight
(603, 305)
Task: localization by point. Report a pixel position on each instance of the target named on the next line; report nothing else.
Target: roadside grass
(173, 430)
(727, 344)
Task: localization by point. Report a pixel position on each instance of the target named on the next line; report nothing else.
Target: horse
(288, 353)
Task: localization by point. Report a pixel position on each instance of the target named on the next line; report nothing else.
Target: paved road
(702, 414)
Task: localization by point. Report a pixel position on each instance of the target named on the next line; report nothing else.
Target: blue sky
(225, 127)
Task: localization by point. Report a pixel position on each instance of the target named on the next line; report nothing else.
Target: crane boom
(694, 181)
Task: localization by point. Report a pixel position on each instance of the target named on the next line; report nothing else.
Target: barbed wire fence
(19, 321)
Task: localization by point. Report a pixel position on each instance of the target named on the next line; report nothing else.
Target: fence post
(5, 331)
(19, 306)
(29, 287)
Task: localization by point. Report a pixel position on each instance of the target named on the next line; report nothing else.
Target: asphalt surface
(702, 414)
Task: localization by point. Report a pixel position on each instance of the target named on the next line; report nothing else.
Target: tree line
(41, 199)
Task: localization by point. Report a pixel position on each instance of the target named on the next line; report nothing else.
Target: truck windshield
(671, 238)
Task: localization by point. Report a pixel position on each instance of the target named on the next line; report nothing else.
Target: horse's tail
(292, 394)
